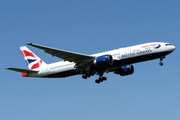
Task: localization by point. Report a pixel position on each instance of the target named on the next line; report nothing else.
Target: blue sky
(89, 27)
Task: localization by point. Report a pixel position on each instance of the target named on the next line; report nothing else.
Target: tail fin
(33, 61)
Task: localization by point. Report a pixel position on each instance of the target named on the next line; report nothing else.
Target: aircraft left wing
(65, 55)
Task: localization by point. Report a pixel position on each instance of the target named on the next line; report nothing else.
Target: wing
(65, 55)
(22, 70)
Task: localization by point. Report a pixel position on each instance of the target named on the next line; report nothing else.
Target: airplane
(118, 61)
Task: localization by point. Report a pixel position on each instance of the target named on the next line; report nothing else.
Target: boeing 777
(118, 61)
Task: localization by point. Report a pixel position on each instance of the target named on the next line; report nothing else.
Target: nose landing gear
(161, 59)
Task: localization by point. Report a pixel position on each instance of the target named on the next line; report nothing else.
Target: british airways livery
(118, 61)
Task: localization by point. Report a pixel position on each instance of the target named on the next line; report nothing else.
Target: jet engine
(125, 70)
(103, 61)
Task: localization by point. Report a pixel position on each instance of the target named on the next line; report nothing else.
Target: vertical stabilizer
(33, 61)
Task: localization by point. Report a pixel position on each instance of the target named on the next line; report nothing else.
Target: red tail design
(37, 65)
(26, 53)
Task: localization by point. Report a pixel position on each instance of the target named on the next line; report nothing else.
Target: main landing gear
(101, 77)
(85, 76)
(161, 59)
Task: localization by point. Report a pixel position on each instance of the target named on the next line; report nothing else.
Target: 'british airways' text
(136, 53)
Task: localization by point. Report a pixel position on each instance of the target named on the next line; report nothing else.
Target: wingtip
(8, 68)
(28, 43)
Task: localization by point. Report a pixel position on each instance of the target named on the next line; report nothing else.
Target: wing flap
(22, 70)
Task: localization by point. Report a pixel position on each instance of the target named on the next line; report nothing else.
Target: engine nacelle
(126, 70)
(104, 61)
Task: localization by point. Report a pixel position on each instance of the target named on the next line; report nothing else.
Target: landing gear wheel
(84, 76)
(97, 81)
(104, 78)
(161, 64)
(100, 79)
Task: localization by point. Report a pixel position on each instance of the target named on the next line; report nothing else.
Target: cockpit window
(168, 44)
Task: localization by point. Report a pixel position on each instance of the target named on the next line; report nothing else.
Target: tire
(161, 64)
(97, 81)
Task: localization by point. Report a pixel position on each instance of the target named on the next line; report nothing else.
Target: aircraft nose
(173, 48)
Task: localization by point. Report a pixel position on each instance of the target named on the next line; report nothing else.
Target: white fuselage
(121, 56)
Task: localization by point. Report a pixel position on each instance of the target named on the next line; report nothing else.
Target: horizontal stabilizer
(22, 70)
